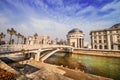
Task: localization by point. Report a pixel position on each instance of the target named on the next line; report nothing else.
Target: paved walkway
(46, 71)
(53, 72)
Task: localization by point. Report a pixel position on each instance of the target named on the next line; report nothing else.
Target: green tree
(2, 35)
(22, 39)
(18, 36)
(35, 36)
(11, 32)
(56, 39)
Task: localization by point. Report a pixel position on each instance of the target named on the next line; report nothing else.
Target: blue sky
(56, 17)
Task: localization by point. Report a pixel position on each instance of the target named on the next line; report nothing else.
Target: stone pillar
(37, 56)
(108, 40)
(98, 47)
(97, 38)
(103, 47)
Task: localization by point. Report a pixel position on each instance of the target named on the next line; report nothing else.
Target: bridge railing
(17, 47)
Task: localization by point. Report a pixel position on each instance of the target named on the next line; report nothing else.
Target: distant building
(39, 40)
(106, 38)
(75, 38)
(87, 45)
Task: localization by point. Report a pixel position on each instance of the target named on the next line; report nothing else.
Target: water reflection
(103, 66)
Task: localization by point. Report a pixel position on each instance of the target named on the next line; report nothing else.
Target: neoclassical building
(106, 38)
(39, 40)
(75, 38)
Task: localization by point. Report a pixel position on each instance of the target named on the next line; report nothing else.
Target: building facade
(75, 38)
(39, 40)
(106, 38)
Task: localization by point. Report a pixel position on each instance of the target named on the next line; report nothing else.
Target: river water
(102, 66)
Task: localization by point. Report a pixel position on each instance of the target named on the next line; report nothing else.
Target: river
(102, 66)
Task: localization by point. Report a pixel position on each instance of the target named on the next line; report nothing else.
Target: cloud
(56, 17)
(114, 14)
(113, 5)
(49, 27)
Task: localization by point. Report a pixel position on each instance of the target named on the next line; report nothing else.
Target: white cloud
(49, 27)
(3, 19)
(87, 9)
(113, 5)
(114, 15)
(34, 20)
(55, 2)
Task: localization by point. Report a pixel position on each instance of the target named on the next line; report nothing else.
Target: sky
(56, 18)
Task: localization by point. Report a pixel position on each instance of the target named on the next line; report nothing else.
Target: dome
(75, 30)
(116, 26)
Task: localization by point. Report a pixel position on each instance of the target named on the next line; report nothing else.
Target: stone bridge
(37, 49)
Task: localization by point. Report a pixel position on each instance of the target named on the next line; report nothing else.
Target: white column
(37, 56)
(108, 40)
(102, 37)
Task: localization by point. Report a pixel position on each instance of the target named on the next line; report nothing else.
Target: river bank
(105, 53)
(44, 71)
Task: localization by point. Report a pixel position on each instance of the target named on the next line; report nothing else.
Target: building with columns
(75, 38)
(39, 40)
(106, 38)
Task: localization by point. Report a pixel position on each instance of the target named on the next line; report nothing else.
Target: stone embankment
(46, 71)
(107, 53)
(7, 68)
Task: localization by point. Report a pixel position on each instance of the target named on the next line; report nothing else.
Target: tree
(11, 32)
(61, 41)
(2, 35)
(22, 39)
(18, 36)
(35, 36)
(56, 39)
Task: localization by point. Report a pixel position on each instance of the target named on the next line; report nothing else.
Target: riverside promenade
(106, 53)
(46, 71)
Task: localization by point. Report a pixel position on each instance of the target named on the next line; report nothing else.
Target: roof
(75, 30)
(116, 26)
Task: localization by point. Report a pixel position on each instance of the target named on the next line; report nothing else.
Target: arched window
(95, 47)
(100, 46)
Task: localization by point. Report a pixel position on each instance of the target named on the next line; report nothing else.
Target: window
(100, 46)
(105, 37)
(100, 41)
(99, 37)
(118, 47)
(104, 41)
(95, 37)
(104, 32)
(73, 44)
(95, 47)
(94, 33)
(99, 32)
(105, 46)
(110, 32)
(95, 41)
(111, 46)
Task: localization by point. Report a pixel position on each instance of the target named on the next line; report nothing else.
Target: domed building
(75, 38)
(107, 38)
